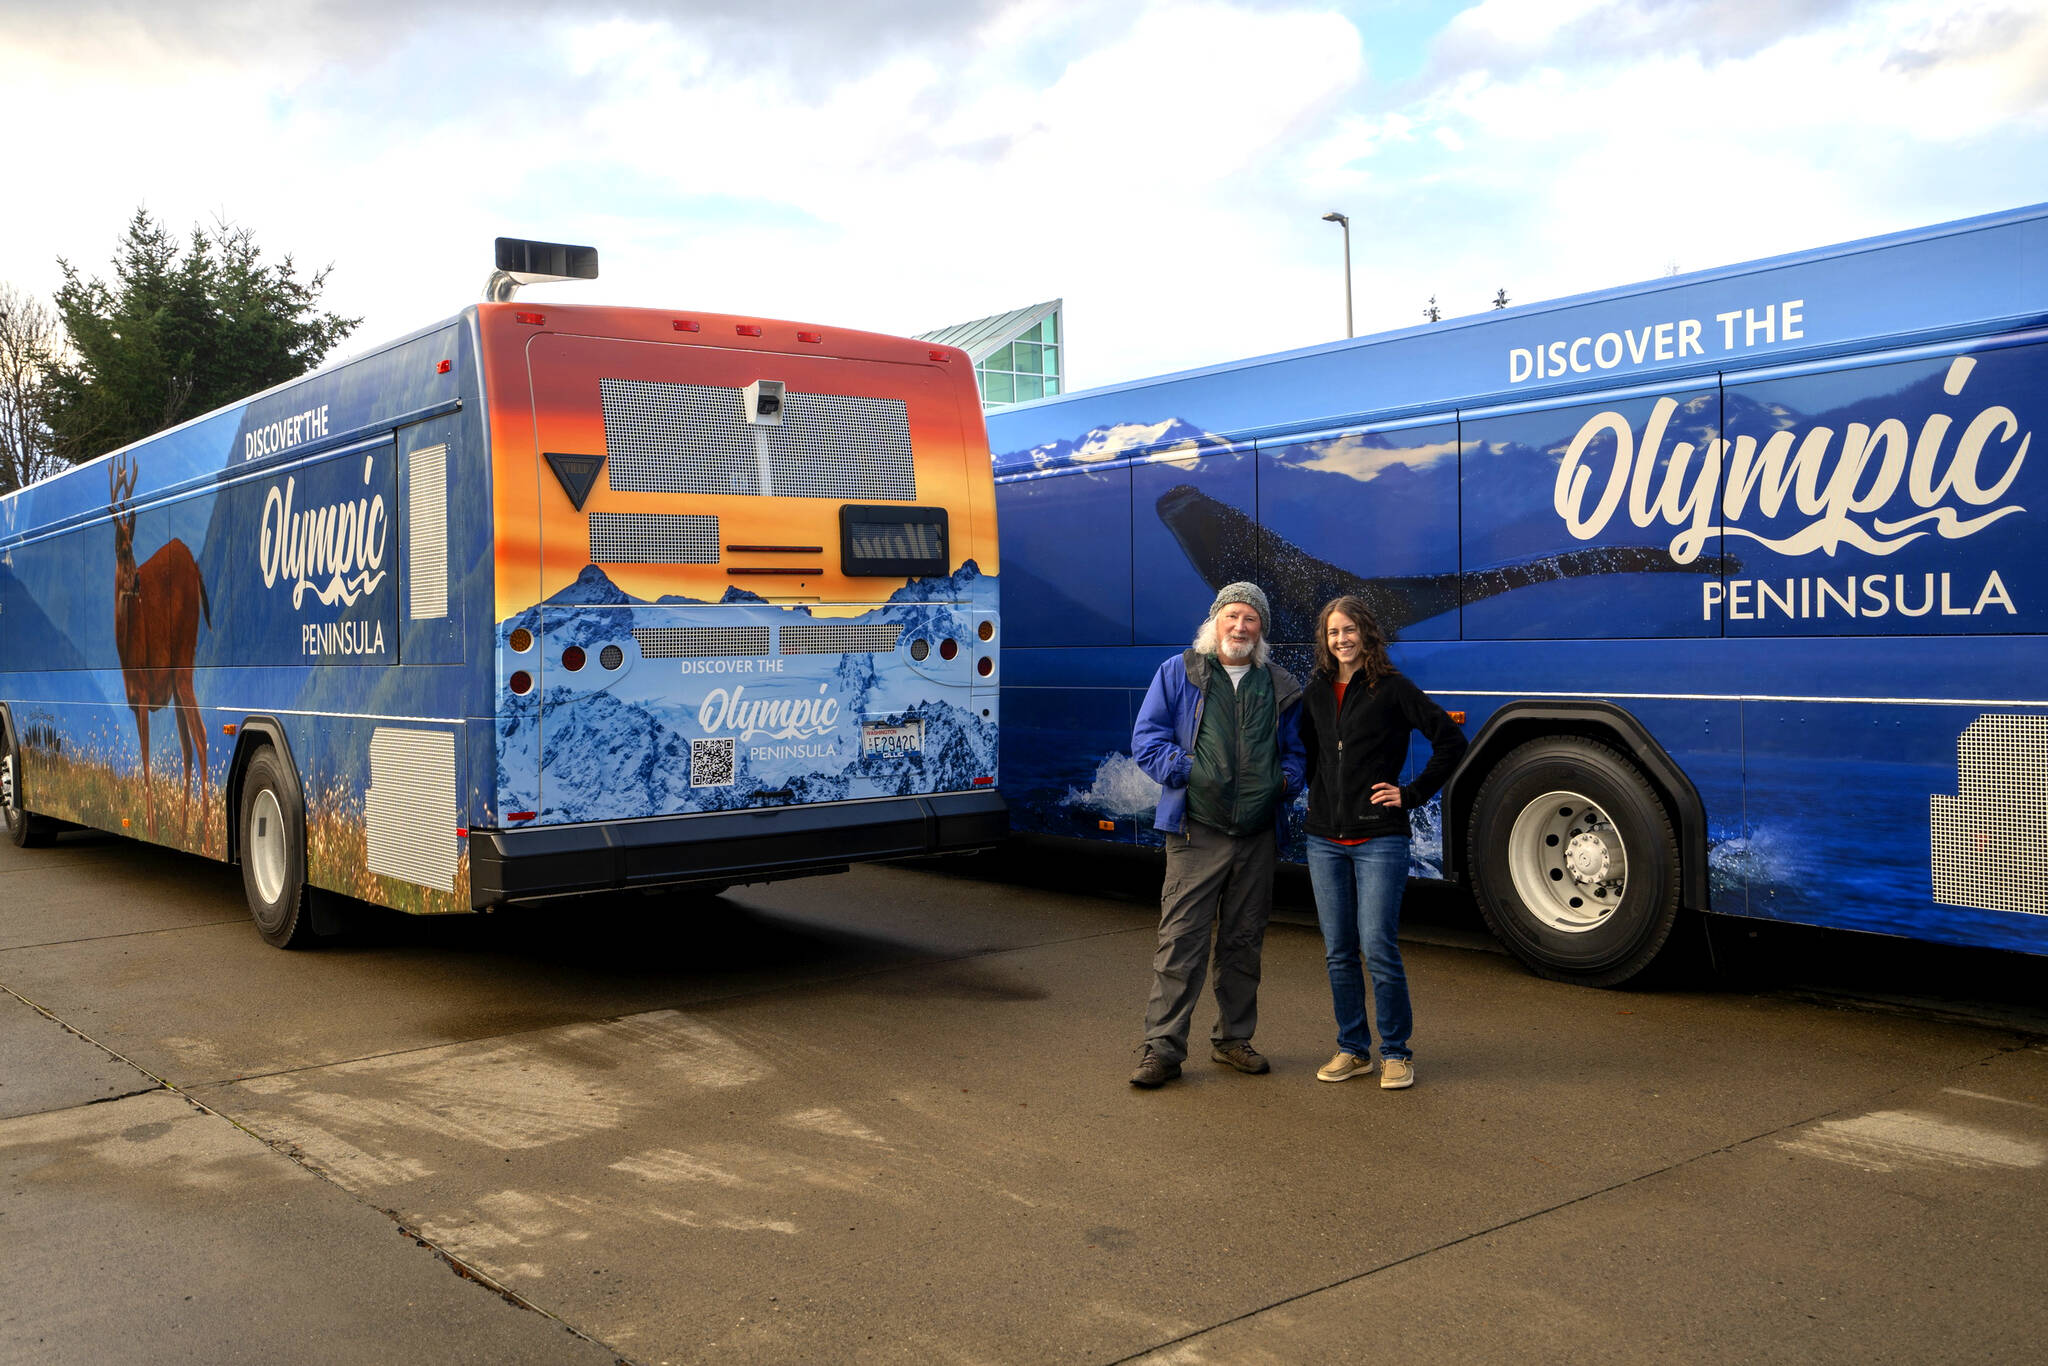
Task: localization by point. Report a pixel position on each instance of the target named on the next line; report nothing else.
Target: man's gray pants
(1214, 882)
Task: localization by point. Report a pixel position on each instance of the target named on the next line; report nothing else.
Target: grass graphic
(85, 787)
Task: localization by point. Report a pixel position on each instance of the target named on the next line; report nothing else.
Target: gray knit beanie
(1250, 594)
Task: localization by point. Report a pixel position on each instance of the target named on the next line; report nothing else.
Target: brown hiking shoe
(1154, 1071)
(1240, 1054)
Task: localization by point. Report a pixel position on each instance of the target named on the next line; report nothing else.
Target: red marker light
(444, 367)
(530, 319)
(813, 337)
(937, 354)
(462, 832)
(687, 325)
(520, 815)
(748, 329)
(984, 782)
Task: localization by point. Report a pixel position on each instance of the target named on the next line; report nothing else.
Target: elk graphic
(157, 607)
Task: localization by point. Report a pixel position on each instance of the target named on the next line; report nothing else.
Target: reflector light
(687, 325)
(748, 329)
(1105, 825)
(462, 832)
(937, 354)
(530, 319)
(229, 729)
(520, 815)
(1457, 716)
(984, 666)
(444, 367)
(810, 336)
(521, 682)
(983, 782)
(948, 648)
(572, 658)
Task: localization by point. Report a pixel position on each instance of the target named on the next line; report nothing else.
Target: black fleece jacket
(1368, 744)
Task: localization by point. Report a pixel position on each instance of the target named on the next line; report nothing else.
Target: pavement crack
(1675, 1165)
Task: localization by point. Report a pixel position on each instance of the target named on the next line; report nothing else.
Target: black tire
(24, 827)
(1575, 862)
(273, 850)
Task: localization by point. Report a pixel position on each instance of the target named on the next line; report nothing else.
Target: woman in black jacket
(1356, 719)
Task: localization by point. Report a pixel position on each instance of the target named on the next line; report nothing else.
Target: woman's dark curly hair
(1375, 665)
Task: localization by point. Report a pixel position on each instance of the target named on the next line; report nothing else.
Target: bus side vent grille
(1987, 838)
(653, 538)
(694, 438)
(426, 540)
(700, 642)
(409, 814)
(833, 638)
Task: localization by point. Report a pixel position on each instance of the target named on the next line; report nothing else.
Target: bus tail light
(984, 666)
(948, 648)
(520, 682)
(987, 630)
(572, 658)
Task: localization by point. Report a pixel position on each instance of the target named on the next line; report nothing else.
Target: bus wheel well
(1605, 724)
(254, 734)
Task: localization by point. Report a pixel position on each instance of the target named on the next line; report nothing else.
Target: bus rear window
(884, 542)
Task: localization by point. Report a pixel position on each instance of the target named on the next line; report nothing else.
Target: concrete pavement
(884, 1117)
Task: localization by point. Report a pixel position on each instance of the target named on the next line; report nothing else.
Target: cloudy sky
(901, 165)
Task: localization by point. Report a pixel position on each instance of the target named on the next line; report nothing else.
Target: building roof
(980, 338)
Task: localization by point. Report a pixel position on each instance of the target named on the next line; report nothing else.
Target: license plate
(884, 737)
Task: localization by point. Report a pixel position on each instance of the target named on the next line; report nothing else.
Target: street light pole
(1344, 222)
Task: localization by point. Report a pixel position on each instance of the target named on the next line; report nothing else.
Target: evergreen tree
(182, 329)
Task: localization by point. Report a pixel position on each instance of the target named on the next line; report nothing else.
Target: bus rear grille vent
(832, 638)
(700, 642)
(653, 538)
(694, 438)
(1987, 838)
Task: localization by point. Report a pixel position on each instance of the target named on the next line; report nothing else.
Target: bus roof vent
(521, 262)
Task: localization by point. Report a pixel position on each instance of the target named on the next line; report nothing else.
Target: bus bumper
(726, 846)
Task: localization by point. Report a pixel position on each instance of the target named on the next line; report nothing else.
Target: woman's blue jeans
(1358, 900)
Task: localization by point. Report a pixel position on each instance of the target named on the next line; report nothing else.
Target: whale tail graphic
(1224, 545)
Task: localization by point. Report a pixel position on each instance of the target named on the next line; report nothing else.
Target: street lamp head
(1334, 217)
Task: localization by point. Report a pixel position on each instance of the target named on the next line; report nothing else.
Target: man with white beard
(1218, 732)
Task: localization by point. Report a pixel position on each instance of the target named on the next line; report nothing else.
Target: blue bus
(537, 602)
(1738, 579)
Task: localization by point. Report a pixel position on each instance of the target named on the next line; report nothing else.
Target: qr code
(711, 763)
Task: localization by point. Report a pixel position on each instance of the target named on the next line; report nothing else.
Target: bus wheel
(25, 828)
(273, 846)
(1575, 861)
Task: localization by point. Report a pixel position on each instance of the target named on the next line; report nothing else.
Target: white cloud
(920, 163)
